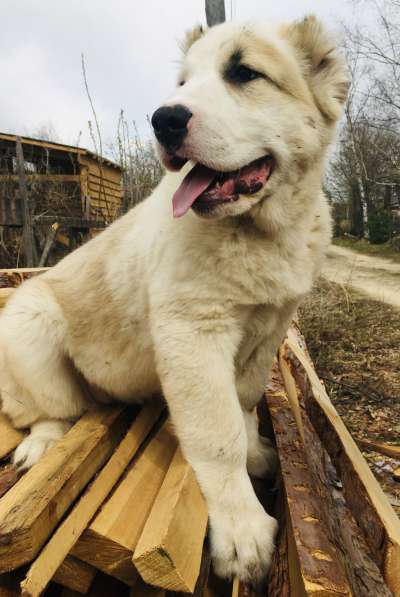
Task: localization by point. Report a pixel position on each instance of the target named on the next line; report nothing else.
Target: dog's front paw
(30, 450)
(242, 543)
(42, 437)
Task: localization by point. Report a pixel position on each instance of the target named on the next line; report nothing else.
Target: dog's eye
(181, 83)
(242, 74)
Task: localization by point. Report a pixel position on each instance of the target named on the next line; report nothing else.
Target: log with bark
(327, 508)
(362, 492)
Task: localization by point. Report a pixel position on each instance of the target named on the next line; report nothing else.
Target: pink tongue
(192, 186)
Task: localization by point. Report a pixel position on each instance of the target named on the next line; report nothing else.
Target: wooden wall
(103, 185)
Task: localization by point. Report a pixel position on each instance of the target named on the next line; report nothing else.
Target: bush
(380, 226)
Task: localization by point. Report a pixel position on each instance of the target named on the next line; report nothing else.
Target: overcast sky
(131, 54)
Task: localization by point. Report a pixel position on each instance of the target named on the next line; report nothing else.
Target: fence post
(215, 12)
(27, 234)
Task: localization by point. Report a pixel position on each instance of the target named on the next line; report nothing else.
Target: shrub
(380, 226)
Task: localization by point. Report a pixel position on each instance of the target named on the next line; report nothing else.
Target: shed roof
(59, 147)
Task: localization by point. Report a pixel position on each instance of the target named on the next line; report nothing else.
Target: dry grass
(355, 344)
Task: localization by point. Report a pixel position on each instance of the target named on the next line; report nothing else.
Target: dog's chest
(259, 325)
(258, 273)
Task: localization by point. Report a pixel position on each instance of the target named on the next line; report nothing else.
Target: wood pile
(114, 509)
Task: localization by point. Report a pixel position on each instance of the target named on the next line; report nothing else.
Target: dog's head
(255, 107)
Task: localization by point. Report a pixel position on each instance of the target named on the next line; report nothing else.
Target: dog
(191, 292)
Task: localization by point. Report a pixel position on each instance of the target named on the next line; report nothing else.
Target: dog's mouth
(204, 189)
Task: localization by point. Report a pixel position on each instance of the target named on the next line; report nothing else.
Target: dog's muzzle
(170, 124)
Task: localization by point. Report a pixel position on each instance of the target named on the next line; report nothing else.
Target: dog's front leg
(197, 375)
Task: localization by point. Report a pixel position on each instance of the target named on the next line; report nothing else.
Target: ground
(377, 277)
(363, 246)
(354, 341)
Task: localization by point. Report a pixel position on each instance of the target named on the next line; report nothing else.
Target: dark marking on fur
(238, 73)
(311, 122)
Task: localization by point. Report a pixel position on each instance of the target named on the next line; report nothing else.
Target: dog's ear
(324, 66)
(190, 37)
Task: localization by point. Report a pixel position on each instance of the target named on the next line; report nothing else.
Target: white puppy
(195, 305)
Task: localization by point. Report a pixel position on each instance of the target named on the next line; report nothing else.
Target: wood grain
(10, 437)
(314, 565)
(109, 542)
(68, 533)
(169, 550)
(364, 496)
(31, 509)
(5, 294)
(75, 575)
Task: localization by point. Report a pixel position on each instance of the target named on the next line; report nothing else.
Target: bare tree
(365, 170)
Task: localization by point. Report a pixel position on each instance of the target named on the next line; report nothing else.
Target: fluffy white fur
(196, 306)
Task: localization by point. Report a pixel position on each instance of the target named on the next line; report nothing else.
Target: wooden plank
(55, 178)
(109, 542)
(75, 575)
(291, 391)
(315, 569)
(8, 477)
(167, 555)
(106, 172)
(10, 437)
(109, 183)
(97, 197)
(102, 586)
(387, 449)
(68, 533)
(24, 270)
(113, 193)
(96, 192)
(141, 589)
(31, 509)
(42, 143)
(93, 160)
(365, 497)
(12, 278)
(5, 294)
(202, 580)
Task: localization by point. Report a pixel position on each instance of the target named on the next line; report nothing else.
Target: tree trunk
(356, 213)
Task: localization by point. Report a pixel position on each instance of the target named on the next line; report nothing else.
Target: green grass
(363, 246)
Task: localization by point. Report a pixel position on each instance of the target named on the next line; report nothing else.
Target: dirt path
(376, 277)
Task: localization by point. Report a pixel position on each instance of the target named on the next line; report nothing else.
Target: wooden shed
(52, 198)
(71, 185)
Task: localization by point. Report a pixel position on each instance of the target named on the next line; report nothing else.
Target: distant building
(69, 186)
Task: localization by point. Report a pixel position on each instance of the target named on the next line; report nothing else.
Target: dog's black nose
(170, 125)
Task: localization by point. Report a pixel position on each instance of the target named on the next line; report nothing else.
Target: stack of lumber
(114, 509)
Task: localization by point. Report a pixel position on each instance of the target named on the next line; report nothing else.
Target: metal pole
(215, 12)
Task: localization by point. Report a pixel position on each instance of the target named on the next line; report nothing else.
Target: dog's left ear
(324, 67)
(190, 38)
